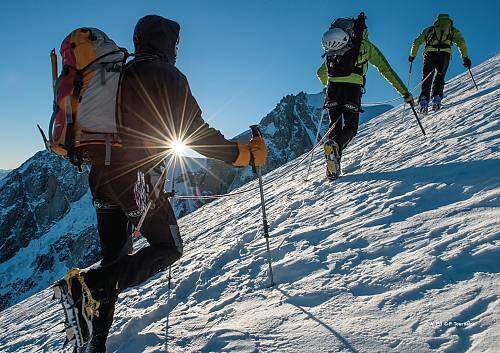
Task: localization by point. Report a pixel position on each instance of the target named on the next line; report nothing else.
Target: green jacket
(368, 53)
(443, 26)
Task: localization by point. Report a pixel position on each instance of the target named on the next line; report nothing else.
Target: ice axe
(257, 170)
(53, 65)
(53, 62)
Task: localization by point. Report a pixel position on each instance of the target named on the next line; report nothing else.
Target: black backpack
(440, 35)
(343, 62)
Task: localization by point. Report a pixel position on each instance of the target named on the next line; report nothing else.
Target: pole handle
(411, 66)
(255, 133)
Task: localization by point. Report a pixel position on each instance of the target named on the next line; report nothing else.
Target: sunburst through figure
(178, 147)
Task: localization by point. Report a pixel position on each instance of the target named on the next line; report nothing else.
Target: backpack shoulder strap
(448, 35)
(430, 33)
(452, 34)
(119, 50)
(359, 28)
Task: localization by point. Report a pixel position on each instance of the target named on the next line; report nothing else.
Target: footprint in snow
(227, 340)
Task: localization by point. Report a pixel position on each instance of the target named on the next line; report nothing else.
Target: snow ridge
(3, 173)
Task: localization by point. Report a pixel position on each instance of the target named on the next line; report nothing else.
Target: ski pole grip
(255, 133)
(411, 66)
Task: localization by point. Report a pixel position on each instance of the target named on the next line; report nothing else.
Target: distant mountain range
(4, 172)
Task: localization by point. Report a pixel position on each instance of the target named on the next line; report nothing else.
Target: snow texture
(399, 255)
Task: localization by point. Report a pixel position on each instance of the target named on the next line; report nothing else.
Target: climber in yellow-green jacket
(438, 40)
(347, 54)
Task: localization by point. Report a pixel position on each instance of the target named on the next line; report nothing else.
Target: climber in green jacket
(438, 40)
(347, 54)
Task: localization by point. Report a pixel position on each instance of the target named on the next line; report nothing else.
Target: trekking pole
(416, 117)
(257, 170)
(168, 315)
(472, 77)
(316, 140)
(409, 78)
(172, 192)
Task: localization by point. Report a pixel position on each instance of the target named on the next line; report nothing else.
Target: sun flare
(178, 147)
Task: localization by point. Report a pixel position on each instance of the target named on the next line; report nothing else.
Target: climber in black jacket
(157, 108)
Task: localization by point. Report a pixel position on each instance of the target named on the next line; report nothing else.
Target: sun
(178, 147)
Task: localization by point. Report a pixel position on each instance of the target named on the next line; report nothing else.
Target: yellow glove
(256, 148)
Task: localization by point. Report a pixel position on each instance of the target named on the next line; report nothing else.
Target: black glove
(467, 62)
(411, 58)
(408, 98)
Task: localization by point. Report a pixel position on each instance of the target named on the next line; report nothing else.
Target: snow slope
(400, 255)
(36, 197)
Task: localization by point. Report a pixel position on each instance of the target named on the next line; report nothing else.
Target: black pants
(438, 61)
(119, 201)
(344, 105)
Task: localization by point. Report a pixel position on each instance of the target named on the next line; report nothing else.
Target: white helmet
(335, 39)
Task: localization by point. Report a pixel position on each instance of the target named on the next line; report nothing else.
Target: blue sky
(240, 57)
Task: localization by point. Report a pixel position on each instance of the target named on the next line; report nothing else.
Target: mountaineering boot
(424, 106)
(436, 103)
(78, 305)
(332, 156)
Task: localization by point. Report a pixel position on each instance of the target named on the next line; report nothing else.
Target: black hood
(157, 35)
